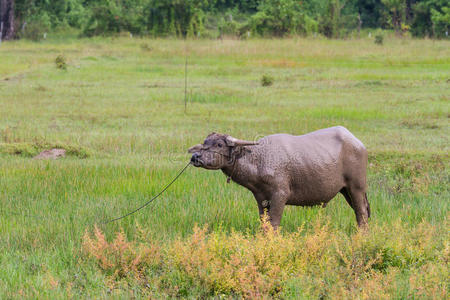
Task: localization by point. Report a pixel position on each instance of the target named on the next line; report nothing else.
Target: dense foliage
(332, 18)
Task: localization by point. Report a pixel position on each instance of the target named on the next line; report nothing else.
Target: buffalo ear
(231, 141)
(195, 148)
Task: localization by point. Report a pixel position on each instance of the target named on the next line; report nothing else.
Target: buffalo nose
(195, 157)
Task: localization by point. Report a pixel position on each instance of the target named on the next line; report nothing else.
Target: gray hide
(283, 169)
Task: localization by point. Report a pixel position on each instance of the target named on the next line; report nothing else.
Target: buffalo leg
(360, 206)
(260, 199)
(277, 203)
(347, 197)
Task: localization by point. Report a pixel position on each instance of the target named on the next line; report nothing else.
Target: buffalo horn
(195, 148)
(237, 142)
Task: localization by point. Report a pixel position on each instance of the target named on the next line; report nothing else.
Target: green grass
(118, 109)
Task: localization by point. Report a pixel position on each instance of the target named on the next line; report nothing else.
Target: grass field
(118, 109)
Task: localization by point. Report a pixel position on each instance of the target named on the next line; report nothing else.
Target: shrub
(281, 17)
(267, 80)
(106, 18)
(229, 27)
(379, 39)
(36, 27)
(120, 258)
(431, 18)
(60, 62)
(315, 263)
(173, 17)
(77, 14)
(441, 22)
(24, 149)
(32, 149)
(146, 47)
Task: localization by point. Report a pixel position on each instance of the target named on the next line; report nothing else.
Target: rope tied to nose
(151, 200)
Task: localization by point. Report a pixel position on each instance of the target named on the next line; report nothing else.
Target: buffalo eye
(220, 145)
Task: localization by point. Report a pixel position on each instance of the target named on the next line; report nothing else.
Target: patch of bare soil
(51, 154)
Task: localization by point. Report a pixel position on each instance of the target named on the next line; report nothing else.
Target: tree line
(215, 18)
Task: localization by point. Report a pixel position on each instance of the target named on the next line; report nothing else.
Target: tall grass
(119, 109)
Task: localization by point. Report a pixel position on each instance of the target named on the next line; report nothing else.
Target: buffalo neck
(243, 169)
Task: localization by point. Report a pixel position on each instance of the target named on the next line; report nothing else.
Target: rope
(149, 201)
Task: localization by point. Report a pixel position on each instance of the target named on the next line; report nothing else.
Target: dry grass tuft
(120, 258)
(316, 263)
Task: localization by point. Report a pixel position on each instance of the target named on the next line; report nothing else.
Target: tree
(396, 9)
(281, 17)
(241, 5)
(6, 19)
(441, 22)
(331, 19)
(431, 18)
(175, 17)
(370, 11)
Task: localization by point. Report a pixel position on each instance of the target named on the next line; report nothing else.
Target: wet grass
(121, 104)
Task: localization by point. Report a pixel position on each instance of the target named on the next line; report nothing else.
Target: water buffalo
(282, 169)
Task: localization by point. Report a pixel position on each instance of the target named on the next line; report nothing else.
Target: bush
(431, 18)
(379, 39)
(36, 27)
(60, 62)
(32, 149)
(105, 19)
(267, 80)
(120, 258)
(281, 17)
(23, 149)
(146, 47)
(77, 14)
(230, 28)
(173, 17)
(318, 263)
(441, 22)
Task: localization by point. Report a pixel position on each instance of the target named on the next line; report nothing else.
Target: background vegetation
(117, 107)
(240, 18)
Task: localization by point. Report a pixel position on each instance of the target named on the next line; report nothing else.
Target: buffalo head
(217, 151)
